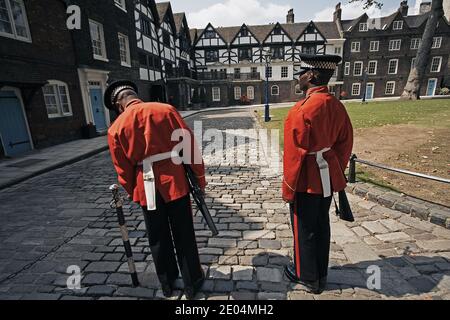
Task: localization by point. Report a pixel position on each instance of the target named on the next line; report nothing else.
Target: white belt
(149, 176)
(324, 171)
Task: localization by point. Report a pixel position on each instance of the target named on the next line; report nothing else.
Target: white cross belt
(324, 171)
(149, 176)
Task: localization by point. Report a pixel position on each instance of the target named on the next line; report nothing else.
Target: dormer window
(210, 34)
(363, 27)
(398, 25)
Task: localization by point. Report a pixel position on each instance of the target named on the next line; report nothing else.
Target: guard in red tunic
(318, 140)
(143, 142)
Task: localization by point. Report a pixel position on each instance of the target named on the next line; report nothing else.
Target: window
(124, 47)
(210, 34)
(98, 40)
(398, 25)
(436, 64)
(374, 46)
(211, 55)
(309, 49)
(57, 99)
(390, 88)
(413, 61)
(254, 71)
(347, 69)
(277, 31)
(13, 20)
(121, 4)
(275, 90)
(332, 90)
(268, 72)
(251, 93)
(336, 72)
(356, 89)
(277, 52)
(145, 25)
(437, 41)
(393, 66)
(363, 27)
(237, 73)
(358, 68)
(337, 50)
(284, 72)
(297, 89)
(244, 32)
(237, 93)
(216, 94)
(245, 54)
(356, 47)
(415, 43)
(372, 67)
(394, 45)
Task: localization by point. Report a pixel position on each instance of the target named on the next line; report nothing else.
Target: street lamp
(364, 85)
(268, 60)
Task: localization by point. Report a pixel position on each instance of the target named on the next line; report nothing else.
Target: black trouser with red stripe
(311, 225)
(170, 225)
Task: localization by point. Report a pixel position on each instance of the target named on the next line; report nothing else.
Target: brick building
(379, 53)
(40, 103)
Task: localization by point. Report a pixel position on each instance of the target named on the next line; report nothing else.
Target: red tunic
(317, 122)
(141, 131)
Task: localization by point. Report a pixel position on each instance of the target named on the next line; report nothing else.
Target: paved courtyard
(63, 218)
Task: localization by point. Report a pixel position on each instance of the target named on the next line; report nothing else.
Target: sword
(117, 204)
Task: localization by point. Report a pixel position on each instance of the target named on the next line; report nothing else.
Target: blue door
(369, 91)
(97, 108)
(431, 89)
(13, 128)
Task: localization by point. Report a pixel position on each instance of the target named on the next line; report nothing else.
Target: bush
(444, 91)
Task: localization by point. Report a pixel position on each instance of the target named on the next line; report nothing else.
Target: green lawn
(433, 113)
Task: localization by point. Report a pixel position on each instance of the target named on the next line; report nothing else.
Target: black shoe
(167, 290)
(322, 284)
(191, 291)
(310, 286)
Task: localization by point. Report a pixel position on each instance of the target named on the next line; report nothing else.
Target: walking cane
(117, 203)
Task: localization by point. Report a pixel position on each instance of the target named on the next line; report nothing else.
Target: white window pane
(19, 18)
(5, 23)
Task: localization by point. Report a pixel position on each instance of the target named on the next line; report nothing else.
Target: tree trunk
(412, 88)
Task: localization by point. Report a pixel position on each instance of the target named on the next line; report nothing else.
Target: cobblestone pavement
(63, 218)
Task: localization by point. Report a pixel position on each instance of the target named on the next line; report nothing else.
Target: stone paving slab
(42, 236)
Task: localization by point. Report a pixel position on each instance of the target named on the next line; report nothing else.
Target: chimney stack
(404, 8)
(290, 18)
(337, 15)
(425, 7)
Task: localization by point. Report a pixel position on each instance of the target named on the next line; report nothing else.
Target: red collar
(321, 89)
(133, 102)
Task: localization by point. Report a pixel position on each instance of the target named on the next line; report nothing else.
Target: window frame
(216, 59)
(416, 42)
(284, 72)
(440, 64)
(347, 68)
(237, 93)
(121, 4)
(215, 94)
(392, 48)
(397, 22)
(14, 34)
(104, 56)
(57, 94)
(377, 46)
(359, 89)
(436, 40)
(126, 63)
(389, 66)
(393, 88)
(363, 27)
(269, 72)
(277, 87)
(352, 49)
(376, 67)
(354, 68)
(252, 91)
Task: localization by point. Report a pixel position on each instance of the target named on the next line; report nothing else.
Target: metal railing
(220, 75)
(354, 159)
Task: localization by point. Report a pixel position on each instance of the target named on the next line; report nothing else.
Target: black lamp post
(364, 85)
(268, 60)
